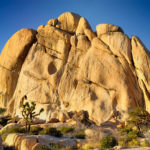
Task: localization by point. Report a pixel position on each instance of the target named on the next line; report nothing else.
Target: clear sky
(132, 15)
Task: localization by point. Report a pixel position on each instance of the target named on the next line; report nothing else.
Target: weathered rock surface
(69, 68)
(26, 142)
(105, 28)
(11, 60)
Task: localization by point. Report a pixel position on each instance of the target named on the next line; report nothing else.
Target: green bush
(2, 110)
(125, 130)
(4, 121)
(14, 130)
(108, 142)
(54, 146)
(44, 147)
(66, 129)
(139, 118)
(35, 130)
(51, 131)
(134, 134)
(129, 136)
(134, 142)
(80, 135)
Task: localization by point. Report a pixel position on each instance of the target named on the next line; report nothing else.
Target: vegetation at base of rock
(28, 113)
(14, 130)
(51, 131)
(3, 121)
(80, 135)
(145, 143)
(44, 147)
(4, 136)
(35, 130)
(129, 136)
(65, 130)
(138, 123)
(139, 118)
(2, 110)
(9, 148)
(87, 147)
(108, 142)
(54, 146)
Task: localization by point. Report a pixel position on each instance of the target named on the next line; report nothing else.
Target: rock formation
(65, 66)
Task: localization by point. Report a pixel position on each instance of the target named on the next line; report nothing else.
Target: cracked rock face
(66, 66)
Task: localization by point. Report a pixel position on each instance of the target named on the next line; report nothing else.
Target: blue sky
(132, 15)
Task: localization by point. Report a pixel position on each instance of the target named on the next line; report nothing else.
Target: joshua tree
(28, 113)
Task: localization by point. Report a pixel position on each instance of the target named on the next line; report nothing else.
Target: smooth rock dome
(65, 66)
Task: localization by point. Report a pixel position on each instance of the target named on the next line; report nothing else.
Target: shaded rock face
(71, 68)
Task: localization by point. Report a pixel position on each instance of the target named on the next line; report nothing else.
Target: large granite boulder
(68, 68)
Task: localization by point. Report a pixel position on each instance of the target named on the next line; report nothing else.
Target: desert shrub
(3, 121)
(66, 129)
(54, 146)
(51, 131)
(35, 130)
(129, 136)
(134, 134)
(145, 143)
(2, 110)
(80, 135)
(139, 118)
(122, 142)
(14, 130)
(134, 142)
(108, 142)
(44, 147)
(87, 147)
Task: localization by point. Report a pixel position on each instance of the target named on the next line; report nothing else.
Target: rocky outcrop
(71, 68)
(11, 60)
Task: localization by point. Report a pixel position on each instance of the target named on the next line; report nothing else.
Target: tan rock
(14, 139)
(68, 22)
(36, 147)
(80, 42)
(11, 60)
(63, 116)
(119, 44)
(71, 69)
(141, 59)
(105, 28)
(10, 139)
(85, 29)
(53, 120)
(28, 143)
(55, 40)
(52, 22)
(88, 84)
(18, 139)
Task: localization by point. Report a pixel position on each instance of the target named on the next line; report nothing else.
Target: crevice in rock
(32, 76)
(98, 84)
(6, 68)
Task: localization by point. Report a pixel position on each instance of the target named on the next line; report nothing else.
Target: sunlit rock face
(65, 66)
